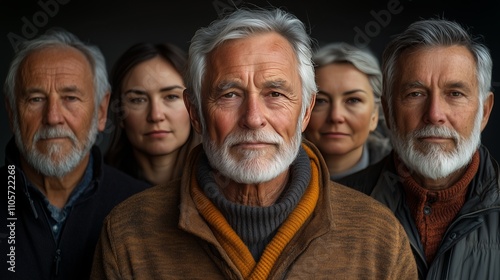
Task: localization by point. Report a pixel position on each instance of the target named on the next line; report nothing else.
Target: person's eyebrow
(451, 84)
(349, 92)
(32, 90)
(64, 89)
(279, 84)
(460, 85)
(169, 88)
(415, 84)
(134, 91)
(70, 89)
(225, 85)
(275, 84)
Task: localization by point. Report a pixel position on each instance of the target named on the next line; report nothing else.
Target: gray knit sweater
(256, 226)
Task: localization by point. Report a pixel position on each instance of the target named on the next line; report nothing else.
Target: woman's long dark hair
(120, 152)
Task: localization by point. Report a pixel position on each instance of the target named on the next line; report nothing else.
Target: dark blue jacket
(26, 239)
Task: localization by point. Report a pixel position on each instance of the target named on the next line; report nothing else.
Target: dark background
(115, 25)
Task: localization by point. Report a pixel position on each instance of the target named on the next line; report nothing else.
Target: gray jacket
(470, 248)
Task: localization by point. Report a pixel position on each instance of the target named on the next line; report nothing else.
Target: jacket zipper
(57, 257)
(27, 192)
(57, 260)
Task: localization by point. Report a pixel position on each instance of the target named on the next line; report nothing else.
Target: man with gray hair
(59, 190)
(440, 182)
(255, 200)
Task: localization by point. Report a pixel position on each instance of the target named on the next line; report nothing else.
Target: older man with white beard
(440, 182)
(58, 189)
(254, 201)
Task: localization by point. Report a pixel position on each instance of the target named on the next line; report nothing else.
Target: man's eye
(230, 95)
(415, 94)
(70, 98)
(275, 94)
(35, 99)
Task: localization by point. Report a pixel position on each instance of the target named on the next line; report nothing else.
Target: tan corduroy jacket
(159, 234)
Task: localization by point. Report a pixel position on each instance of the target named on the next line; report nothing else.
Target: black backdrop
(115, 25)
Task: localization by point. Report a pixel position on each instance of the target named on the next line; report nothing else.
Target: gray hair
(435, 33)
(362, 59)
(58, 37)
(244, 23)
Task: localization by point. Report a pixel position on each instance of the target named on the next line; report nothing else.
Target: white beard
(436, 163)
(54, 163)
(254, 166)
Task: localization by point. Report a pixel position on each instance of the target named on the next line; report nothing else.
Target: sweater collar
(412, 188)
(256, 225)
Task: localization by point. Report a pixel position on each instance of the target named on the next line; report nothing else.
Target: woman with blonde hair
(346, 123)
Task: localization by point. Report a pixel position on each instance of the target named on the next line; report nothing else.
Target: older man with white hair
(255, 200)
(440, 182)
(59, 190)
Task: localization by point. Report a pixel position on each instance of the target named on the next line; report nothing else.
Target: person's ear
(374, 118)
(193, 113)
(102, 112)
(307, 115)
(487, 107)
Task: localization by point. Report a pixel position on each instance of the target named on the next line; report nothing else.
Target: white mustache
(254, 136)
(54, 132)
(436, 131)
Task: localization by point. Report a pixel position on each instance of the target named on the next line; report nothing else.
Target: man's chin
(433, 164)
(430, 154)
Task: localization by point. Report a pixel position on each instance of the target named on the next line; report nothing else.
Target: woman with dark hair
(153, 134)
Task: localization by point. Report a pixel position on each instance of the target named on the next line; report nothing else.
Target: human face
(55, 121)
(252, 108)
(438, 115)
(344, 113)
(156, 120)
